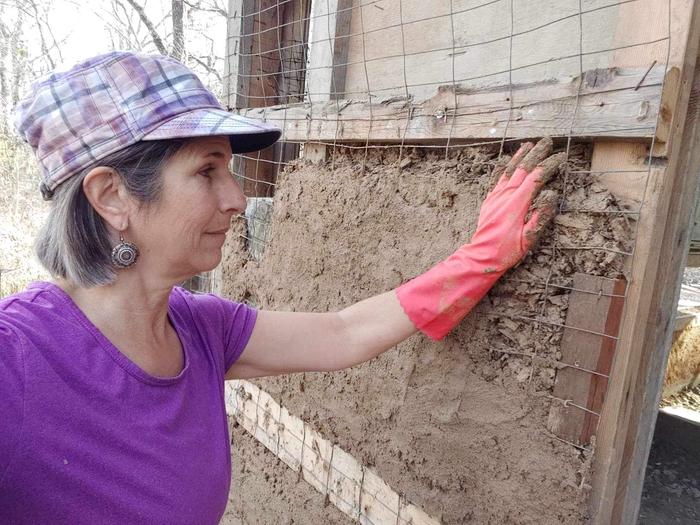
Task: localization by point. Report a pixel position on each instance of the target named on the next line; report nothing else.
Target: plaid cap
(74, 118)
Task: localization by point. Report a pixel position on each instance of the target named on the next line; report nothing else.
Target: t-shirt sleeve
(227, 320)
(12, 395)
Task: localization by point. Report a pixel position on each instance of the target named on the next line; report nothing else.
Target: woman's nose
(233, 198)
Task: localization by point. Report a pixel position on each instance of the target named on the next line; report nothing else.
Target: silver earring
(124, 254)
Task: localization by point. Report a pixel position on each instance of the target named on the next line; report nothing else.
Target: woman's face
(183, 232)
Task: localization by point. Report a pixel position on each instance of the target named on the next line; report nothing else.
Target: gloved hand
(440, 298)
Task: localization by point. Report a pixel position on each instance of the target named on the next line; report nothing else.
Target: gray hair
(74, 243)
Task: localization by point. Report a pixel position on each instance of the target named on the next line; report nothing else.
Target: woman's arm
(284, 342)
(433, 302)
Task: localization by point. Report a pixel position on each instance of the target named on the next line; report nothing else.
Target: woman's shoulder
(198, 300)
(209, 311)
(35, 299)
(206, 304)
(31, 309)
(15, 317)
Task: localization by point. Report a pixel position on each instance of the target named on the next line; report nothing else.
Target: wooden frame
(613, 103)
(627, 423)
(264, 67)
(638, 113)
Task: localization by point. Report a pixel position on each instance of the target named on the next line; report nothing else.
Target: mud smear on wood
(458, 427)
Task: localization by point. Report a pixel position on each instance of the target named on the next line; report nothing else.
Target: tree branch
(206, 66)
(178, 30)
(213, 9)
(44, 48)
(149, 25)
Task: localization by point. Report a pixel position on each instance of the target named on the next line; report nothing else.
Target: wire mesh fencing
(349, 78)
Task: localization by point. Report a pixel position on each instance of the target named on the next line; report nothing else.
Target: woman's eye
(206, 172)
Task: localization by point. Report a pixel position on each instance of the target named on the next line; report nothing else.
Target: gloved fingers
(544, 211)
(520, 166)
(522, 196)
(513, 164)
(517, 178)
(515, 161)
(541, 175)
(537, 154)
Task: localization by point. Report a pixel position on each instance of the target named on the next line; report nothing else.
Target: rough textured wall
(459, 426)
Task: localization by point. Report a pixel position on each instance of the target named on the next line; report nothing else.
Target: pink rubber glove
(440, 298)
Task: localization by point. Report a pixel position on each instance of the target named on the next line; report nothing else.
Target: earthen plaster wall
(459, 427)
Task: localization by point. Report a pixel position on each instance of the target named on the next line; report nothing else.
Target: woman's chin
(211, 262)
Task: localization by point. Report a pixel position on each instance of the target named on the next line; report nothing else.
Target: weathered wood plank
(328, 49)
(266, 53)
(237, 64)
(416, 45)
(611, 103)
(627, 422)
(599, 383)
(592, 306)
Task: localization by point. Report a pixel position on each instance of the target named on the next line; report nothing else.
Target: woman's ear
(105, 190)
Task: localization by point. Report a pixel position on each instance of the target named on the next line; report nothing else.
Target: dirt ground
(671, 491)
(459, 426)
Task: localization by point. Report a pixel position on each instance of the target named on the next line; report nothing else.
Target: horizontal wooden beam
(614, 103)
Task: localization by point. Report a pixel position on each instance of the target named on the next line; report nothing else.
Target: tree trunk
(178, 50)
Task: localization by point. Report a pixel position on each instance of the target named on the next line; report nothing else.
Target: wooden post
(264, 67)
(328, 51)
(293, 31)
(627, 422)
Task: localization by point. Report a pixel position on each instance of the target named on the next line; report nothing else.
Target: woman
(111, 376)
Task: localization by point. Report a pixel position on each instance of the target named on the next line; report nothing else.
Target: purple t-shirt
(86, 436)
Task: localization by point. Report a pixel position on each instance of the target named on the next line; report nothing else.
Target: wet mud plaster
(458, 427)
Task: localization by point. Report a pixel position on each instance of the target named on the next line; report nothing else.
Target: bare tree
(30, 45)
(157, 40)
(178, 48)
(23, 22)
(44, 28)
(183, 17)
(213, 7)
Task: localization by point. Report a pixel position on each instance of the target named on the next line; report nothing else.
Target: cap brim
(246, 134)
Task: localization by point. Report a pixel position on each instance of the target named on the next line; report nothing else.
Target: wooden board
(327, 49)
(595, 305)
(604, 103)
(419, 44)
(328, 38)
(264, 67)
(630, 409)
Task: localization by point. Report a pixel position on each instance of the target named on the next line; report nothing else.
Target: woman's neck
(127, 305)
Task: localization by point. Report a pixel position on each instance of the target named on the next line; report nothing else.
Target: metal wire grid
(454, 49)
(502, 142)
